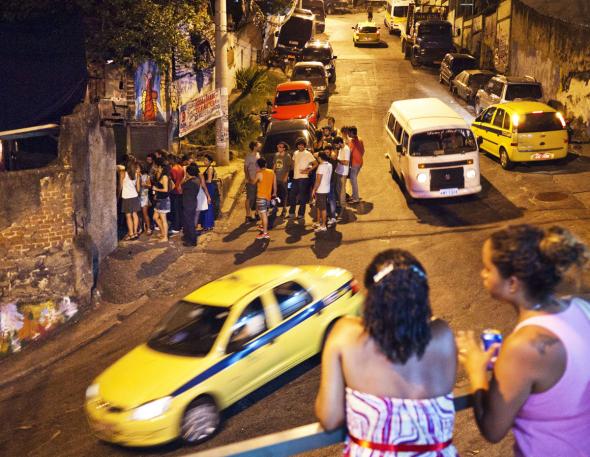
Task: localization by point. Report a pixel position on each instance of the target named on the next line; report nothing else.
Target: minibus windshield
(442, 142)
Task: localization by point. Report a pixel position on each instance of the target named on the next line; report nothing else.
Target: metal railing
(297, 440)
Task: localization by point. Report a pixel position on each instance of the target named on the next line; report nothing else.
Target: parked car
(366, 33)
(317, 8)
(296, 100)
(315, 73)
(502, 89)
(321, 51)
(453, 64)
(521, 131)
(287, 131)
(215, 346)
(466, 84)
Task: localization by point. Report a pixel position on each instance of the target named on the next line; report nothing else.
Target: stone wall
(559, 57)
(56, 224)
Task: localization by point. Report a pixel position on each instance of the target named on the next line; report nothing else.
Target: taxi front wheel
(201, 420)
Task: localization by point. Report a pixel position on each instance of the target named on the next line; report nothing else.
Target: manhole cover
(551, 196)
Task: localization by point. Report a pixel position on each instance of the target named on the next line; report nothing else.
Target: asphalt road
(43, 416)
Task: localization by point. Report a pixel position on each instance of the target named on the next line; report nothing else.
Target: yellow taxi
(521, 131)
(366, 33)
(216, 345)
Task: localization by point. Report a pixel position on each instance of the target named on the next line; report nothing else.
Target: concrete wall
(559, 57)
(243, 48)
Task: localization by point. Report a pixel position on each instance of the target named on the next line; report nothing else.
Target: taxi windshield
(189, 329)
(442, 142)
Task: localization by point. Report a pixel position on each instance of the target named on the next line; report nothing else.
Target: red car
(295, 100)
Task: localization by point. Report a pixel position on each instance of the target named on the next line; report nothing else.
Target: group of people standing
(316, 172)
(389, 375)
(171, 193)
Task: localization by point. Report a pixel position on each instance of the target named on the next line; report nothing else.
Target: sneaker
(262, 236)
(320, 229)
(174, 232)
(157, 228)
(331, 221)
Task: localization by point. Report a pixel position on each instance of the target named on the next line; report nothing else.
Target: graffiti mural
(148, 93)
(501, 50)
(24, 322)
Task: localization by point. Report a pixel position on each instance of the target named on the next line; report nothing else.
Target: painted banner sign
(198, 112)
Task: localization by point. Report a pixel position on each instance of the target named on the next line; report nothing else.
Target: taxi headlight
(152, 409)
(422, 178)
(470, 173)
(92, 391)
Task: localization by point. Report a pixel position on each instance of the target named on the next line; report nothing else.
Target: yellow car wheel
(505, 160)
(200, 421)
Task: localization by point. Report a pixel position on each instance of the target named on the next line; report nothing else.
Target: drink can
(489, 337)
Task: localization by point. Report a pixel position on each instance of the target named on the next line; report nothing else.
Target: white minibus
(434, 152)
(396, 12)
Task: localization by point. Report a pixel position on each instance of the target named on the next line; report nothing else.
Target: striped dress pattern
(389, 420)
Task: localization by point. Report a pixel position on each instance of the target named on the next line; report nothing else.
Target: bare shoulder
(532, 342)
(442, 335)
(347, 328)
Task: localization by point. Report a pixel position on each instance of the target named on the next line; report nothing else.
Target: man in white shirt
(321, 189)
(342, 171)
(303, 163)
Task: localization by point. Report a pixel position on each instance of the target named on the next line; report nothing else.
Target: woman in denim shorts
(161, 188)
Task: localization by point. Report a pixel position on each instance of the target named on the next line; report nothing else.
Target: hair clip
(418, 271)
(382, 273)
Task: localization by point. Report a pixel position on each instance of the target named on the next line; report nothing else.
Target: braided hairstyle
(537, 257)
(397, 308)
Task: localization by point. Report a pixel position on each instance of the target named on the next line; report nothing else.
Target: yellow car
(366, 33)
(521, 131)
(218, 344)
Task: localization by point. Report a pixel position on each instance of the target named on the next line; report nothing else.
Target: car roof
(311, 63)
(290, 85)
(367, 24)
(526, 106)
(288, 125)
(517, 79)
(459, 55)
(479, 72)
(422, 114)
(230, 289)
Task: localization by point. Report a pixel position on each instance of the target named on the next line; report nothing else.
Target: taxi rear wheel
(505, 160)
(201, 420)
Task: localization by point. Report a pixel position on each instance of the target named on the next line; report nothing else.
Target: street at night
(43, 409)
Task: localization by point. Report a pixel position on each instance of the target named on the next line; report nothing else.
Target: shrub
(242, 127)
(251, 80)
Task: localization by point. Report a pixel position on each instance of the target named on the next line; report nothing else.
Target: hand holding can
(489, 337)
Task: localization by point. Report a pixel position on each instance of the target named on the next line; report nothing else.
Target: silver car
(502, 89)
(466, 84)
(315, 73)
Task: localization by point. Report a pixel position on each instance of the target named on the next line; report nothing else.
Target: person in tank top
(390, 374)
(540, 386)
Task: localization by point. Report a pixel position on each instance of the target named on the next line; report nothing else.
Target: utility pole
(221, 83)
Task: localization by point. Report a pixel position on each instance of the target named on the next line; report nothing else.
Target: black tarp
(43, 73)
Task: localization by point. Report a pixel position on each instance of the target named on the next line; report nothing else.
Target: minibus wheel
(505, 160)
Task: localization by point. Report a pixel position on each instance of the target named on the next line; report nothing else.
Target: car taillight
(355, 288)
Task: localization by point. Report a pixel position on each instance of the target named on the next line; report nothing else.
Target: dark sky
(573, 11)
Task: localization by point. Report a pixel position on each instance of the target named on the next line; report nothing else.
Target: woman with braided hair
(390, 374)
(541, 380)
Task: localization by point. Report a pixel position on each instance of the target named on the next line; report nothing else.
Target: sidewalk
(129, 277)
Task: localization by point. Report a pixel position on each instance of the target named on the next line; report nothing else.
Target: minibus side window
(397, 132)
(390, 123)
(405, 142)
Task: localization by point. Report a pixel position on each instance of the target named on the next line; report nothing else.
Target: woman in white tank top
(130, 204)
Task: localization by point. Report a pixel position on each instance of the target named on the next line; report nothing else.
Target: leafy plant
(251, 80)
(241, 126)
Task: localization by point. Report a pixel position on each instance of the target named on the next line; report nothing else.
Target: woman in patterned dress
(390, 374)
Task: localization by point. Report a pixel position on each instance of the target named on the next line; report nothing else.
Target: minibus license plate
(449, 192)
(541, 156)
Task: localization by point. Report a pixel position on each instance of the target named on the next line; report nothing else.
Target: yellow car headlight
(152, 409)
